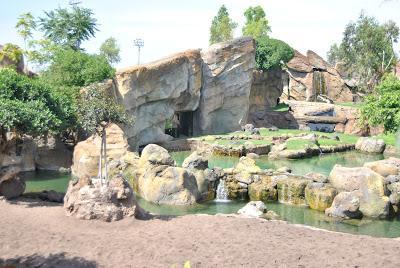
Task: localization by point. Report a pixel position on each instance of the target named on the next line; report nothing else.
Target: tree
(97, 109)
(71, 68)
(272, 53)
(383, 107)
(110, 50)
(222, 27)
(28, 106)
(69, 27)
(256, 24)
(366, 51)
(25, 26)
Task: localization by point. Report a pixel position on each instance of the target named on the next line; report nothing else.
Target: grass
(326, 142)
(389, 138)
(281, 107)
(299, 144)
(350, 104)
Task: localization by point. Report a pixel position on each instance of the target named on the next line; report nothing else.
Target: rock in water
(370, 145)
(11, 186)
(345, 205)
(253, 209)
(112, 201)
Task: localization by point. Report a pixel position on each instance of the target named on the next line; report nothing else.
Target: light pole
(139, 43)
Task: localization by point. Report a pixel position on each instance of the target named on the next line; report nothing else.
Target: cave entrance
(180, 125)
(185, 123)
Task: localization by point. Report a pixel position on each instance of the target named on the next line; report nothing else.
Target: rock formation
(311, 76)
(208, 89)
(87, 153)
(11, 185)
(112, 200)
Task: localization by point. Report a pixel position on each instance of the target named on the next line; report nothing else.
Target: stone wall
(213, 83)
(310, 76)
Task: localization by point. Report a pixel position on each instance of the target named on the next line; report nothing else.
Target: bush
(70, 68)
(272, 53)
(383, 107)
(31, 107)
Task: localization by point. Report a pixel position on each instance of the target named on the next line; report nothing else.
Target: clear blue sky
(169, 26)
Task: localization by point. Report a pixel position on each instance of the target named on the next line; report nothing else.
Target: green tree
(74, 68)
(110, 50)
(25, 26)
(256, 24)
(366, 51)
(222, 27)
(69, 27)
(29, 106)
(383, 107)
(96, 110)
(272, 53)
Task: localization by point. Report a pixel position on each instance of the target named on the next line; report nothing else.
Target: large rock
(11, 186)
(161, 182)
(385, 167)
(345, 205)
(195, 161)
(263, 189)
(108, 201)
(19, 152)
(253, 209)
(371, 186)
(370, 145)
(319, 196)
(87, 153)
(291, 189)
(310, 76)
(227, 78)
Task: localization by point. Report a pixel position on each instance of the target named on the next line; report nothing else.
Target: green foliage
(96, 108)
(110, 50)
(383, 107)
(31, 107)
(366, 51)
(72, 68)
(25, 25)
(11, 51)
(256, 24)
(222, 27)
(272, 53)
(69, 27)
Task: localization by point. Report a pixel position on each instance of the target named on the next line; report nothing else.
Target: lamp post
(139, 43)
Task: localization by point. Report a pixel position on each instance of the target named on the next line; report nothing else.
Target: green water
(39, 181)
(322, 164)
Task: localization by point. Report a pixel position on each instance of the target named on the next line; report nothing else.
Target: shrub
(272, 53)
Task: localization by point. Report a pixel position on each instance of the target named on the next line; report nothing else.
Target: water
(38, 181)
(321, 164)
(222, 192)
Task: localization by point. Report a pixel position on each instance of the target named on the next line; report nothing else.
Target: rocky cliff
(212, 86)
(311, 76)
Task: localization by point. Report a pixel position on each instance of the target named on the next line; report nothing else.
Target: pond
(322, 164)
(44, 180)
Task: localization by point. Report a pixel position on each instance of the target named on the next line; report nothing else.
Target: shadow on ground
(58, 260)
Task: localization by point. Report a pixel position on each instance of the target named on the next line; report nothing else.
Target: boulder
(87, 153)
(236, 190)
(11, 186)
(247, 165)
(156, 155)
(385, 167)
(108, 201)
(168, 185)
(195, 161)
(19, 152)
(52, 196)
(253, 209)
(374, 206)
(319, 196)
(263, 189)
(291, 189)
(345, 205)
(370, 145)
(317, 177)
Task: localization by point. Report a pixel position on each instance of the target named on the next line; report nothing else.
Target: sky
(170, 26)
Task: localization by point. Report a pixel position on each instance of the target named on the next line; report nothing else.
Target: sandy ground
(39, 235)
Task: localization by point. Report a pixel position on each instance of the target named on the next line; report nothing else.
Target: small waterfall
(222, 192)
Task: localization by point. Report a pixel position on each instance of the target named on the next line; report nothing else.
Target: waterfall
(222, 192)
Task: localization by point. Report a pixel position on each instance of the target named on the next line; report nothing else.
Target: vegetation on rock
(222, 27)
(256, 24)
(272, 53)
